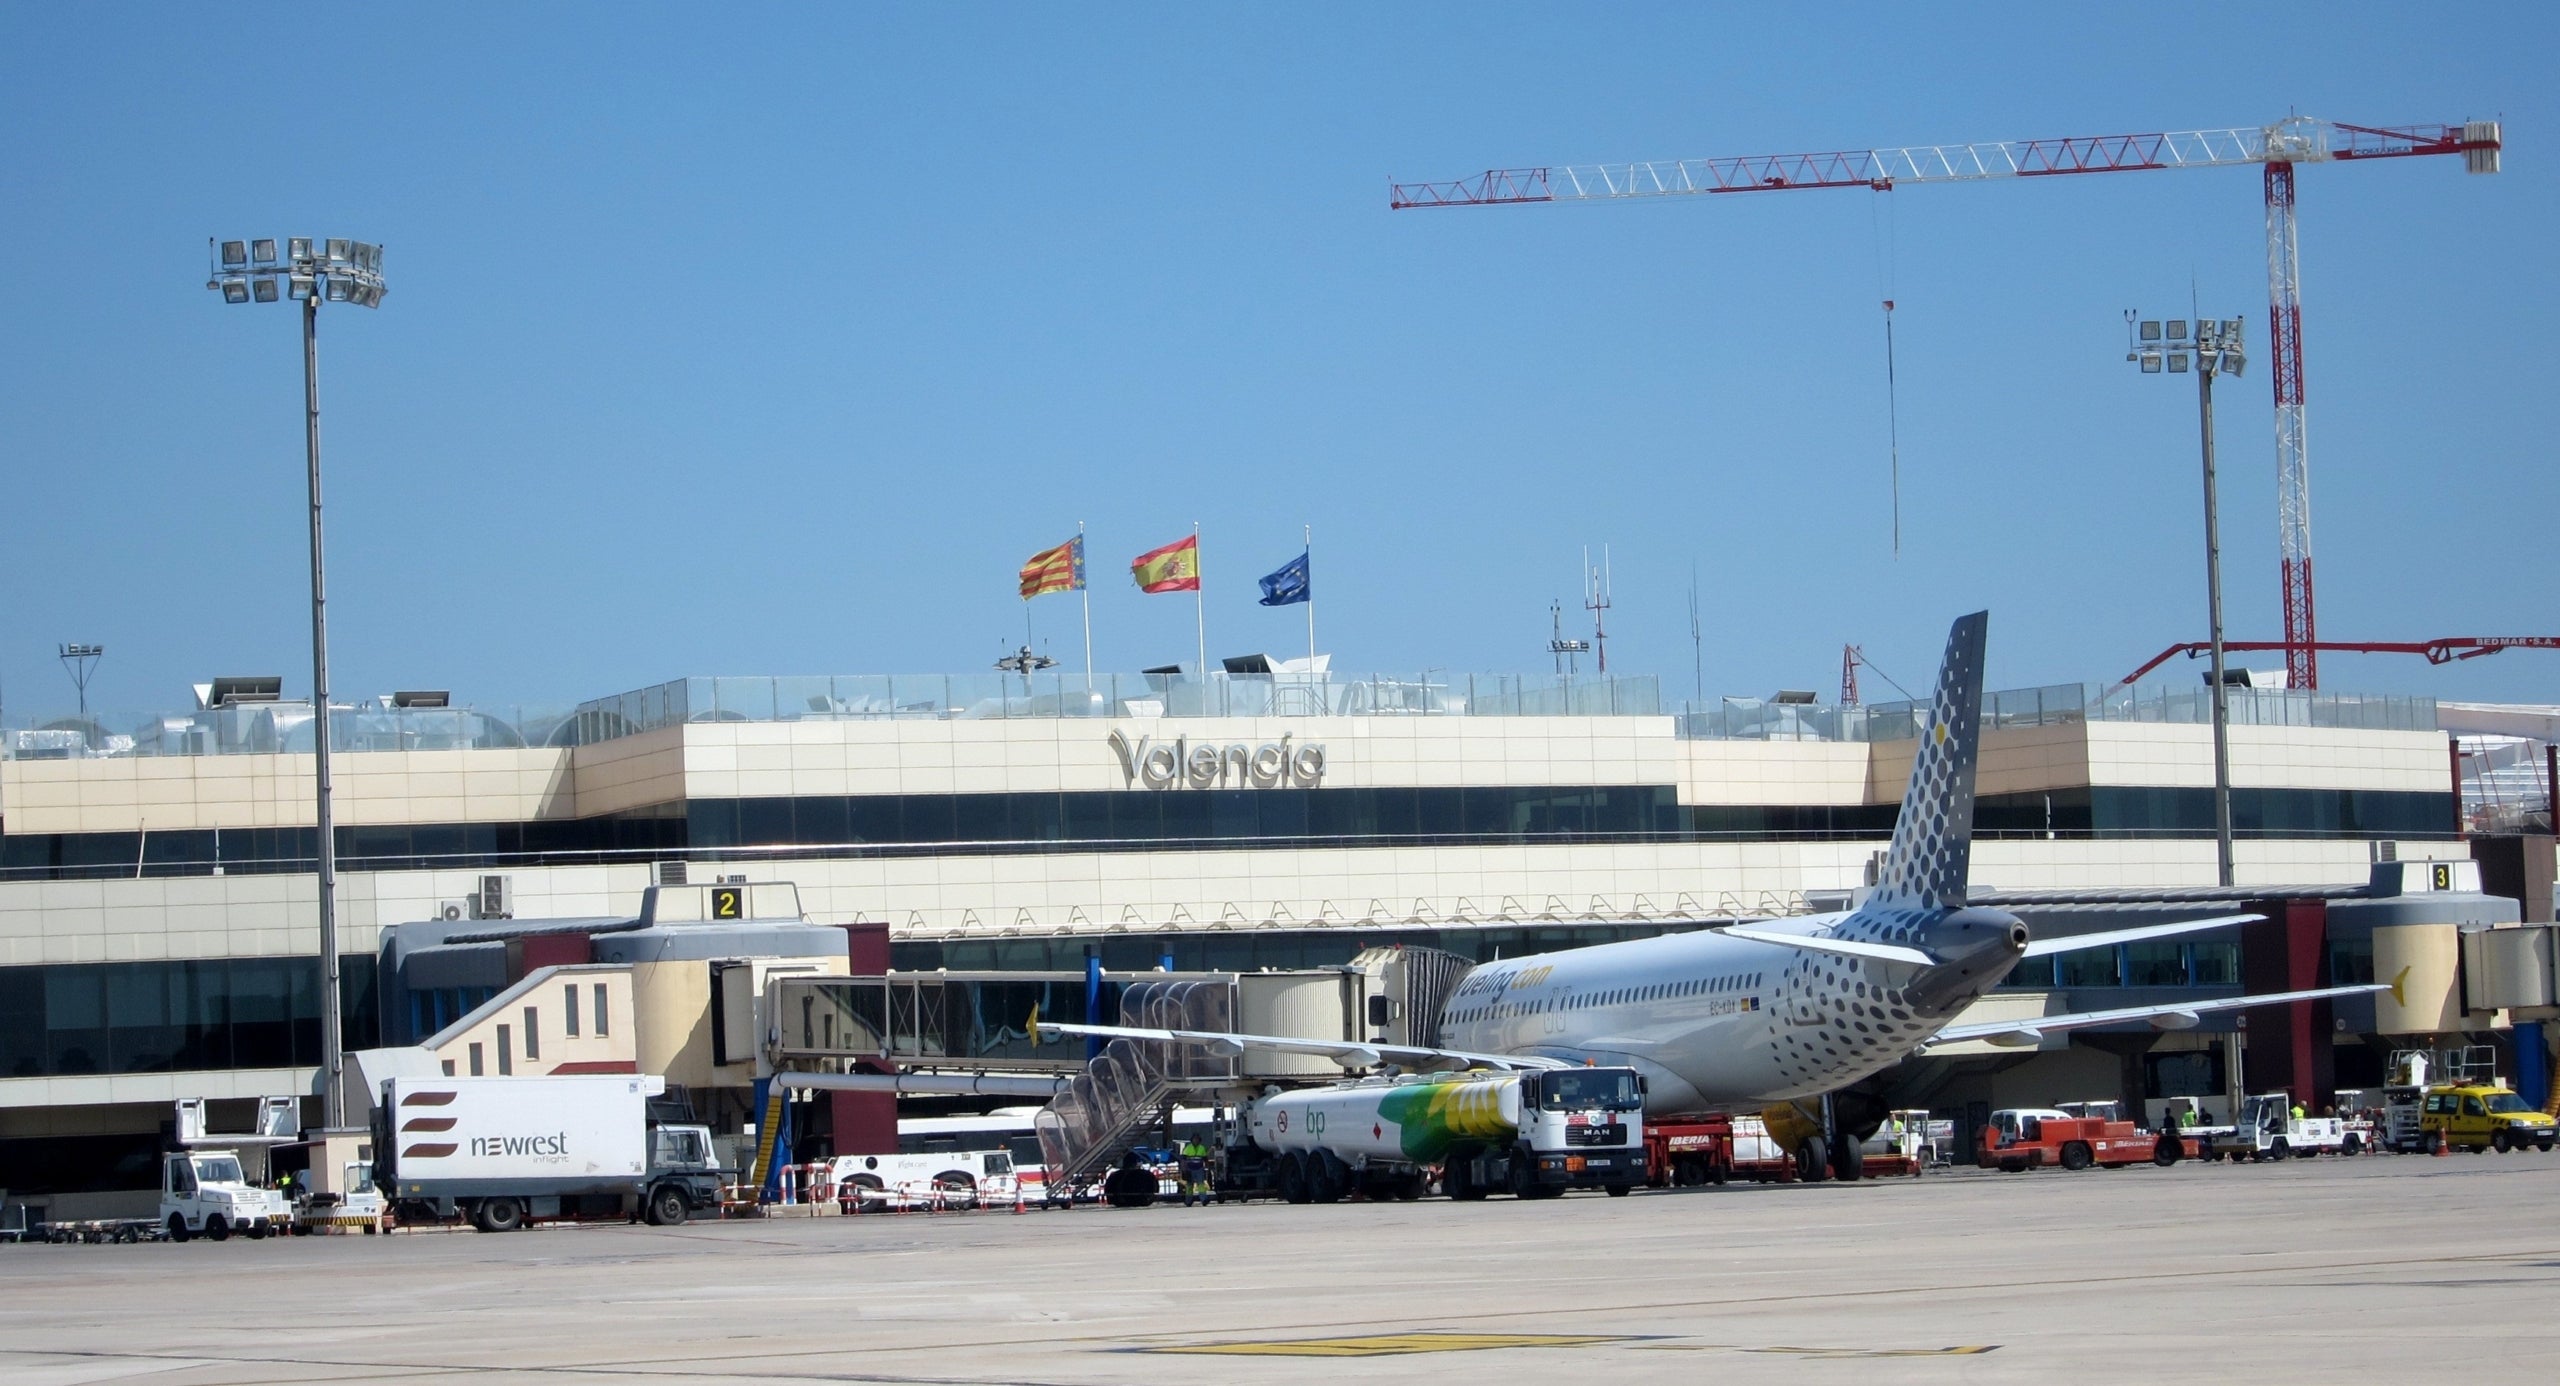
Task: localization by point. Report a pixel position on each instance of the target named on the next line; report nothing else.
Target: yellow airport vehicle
(2481, 1116)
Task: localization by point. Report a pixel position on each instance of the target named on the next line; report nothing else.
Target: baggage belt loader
(1534, 1134)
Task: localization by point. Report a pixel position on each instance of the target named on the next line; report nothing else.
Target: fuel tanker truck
(1535, 1133)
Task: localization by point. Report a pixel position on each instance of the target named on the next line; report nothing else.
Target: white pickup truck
(2268, 1130)
(204, 1192)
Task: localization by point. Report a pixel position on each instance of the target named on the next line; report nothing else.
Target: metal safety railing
(1086, 1126)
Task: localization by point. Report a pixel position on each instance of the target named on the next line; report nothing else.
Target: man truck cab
(204, 1191)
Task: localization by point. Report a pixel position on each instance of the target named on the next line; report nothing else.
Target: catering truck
(504, 1151)
(204, 1193)
(1535, 1133)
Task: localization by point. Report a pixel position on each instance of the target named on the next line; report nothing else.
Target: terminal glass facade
(1189, 819)
(79, 1019)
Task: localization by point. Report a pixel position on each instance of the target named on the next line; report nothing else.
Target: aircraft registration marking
(1388, 1344)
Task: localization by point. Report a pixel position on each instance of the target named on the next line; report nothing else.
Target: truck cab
(1581, 1128)
(205, 1191)
(2481, 1116)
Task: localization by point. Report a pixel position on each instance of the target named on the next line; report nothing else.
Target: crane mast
(2279, 147)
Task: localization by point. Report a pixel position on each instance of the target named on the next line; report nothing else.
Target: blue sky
(773, 339)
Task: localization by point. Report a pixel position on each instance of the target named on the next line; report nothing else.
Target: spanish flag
(1055, 570)
(1173, 568)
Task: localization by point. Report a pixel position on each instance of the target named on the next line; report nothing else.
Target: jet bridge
(955, 1023)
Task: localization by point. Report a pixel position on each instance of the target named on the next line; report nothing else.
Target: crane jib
(2278, 147)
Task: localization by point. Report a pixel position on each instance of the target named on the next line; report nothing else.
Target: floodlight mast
(82, 661)
(2280, 146)
(341, 271)
(2215, 348)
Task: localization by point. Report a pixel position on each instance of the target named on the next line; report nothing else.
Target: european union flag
(1289, 586)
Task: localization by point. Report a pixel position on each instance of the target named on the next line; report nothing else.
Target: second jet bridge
(981, 1021)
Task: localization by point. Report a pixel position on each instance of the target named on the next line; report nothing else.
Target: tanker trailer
(1536, 1133)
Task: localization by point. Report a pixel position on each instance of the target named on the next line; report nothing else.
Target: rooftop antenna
(81, 661)
(1697, 636)
(1564, 650)
(1596, 592)
(1023, 661)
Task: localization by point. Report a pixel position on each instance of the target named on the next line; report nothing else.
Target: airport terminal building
(158, 922)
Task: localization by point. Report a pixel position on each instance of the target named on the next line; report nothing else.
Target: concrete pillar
(865, 1123)
(2290, 1047)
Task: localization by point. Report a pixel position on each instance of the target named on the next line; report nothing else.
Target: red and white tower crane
(2281, 146)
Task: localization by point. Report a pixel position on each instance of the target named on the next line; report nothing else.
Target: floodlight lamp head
(339, 287)
(2177, 363)
(235, 290)
(2177, 329)
(2150, 331)
(2150, 363)
(235, 254)
(339, 250)
(297, 248)
(264, 251)
(263, 288)
(2233, 362)
(301, 286)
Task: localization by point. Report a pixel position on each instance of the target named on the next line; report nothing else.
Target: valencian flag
(1055, 570)
(1173, 568)
(1289, 586)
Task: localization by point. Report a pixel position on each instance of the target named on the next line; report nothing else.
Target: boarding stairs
(1085, 1127)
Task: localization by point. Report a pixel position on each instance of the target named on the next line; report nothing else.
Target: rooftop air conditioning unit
(493, 900)
(452, 910)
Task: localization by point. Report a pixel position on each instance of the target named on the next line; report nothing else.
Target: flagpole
(1085, 590)
(1311, 597)
(1200, 600)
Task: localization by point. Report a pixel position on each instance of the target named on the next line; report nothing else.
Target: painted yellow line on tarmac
(1387, 1344)
(1968, 1350)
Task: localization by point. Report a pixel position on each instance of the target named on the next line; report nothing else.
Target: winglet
(1931, 857)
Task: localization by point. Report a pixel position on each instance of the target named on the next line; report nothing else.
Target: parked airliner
(1772, 1016)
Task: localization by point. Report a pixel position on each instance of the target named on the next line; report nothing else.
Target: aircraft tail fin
(1932, 852)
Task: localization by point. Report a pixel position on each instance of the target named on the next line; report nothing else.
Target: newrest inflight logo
(552, 1145)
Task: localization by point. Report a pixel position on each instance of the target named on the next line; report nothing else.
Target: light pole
(82, 661)
(339, 271)
(2213, 350)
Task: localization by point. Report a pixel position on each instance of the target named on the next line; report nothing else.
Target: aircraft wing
(2043, 946)
(2027, 1031)
(1348, 1053)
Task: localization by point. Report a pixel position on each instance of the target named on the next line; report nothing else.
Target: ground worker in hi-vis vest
(1195, 1174)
